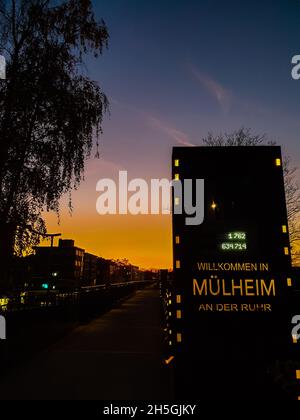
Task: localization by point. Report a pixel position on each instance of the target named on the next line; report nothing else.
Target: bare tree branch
(245, 137)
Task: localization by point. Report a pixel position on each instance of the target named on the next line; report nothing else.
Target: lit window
(286, 250)
(294, 339)
(176, 177)
(179, 339)
(178, 314)
(284, 229)
(177, 239)
(213, 205)
(178, 298)
(297, 374)
(278, 162)
(289, 281)
(176, 162)
(176, 201)
(177, 265)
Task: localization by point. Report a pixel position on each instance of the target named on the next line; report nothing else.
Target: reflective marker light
(169, 360)
(178, 298)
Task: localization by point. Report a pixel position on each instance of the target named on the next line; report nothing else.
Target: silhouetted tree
(292, 193)
(245, 137)
(50, 111)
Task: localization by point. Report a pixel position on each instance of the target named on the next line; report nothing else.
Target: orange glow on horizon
(145, 240)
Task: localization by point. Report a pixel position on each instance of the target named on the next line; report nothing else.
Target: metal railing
(37, 299)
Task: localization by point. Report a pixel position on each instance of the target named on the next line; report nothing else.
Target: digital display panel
(234, 241)
(233, 246)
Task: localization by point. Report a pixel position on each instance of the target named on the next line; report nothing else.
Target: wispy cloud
(176, 135)
(222, 95)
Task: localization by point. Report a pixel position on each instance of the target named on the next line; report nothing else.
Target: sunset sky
(175, 70)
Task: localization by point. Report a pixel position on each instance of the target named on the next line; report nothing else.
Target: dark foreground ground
(118, 355)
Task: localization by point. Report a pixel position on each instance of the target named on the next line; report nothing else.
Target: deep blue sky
(169, 60)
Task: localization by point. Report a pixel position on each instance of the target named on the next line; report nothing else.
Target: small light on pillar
(213, 205)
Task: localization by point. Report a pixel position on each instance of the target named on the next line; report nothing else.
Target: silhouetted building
(90, 269)
(58, 267)
(99, 271)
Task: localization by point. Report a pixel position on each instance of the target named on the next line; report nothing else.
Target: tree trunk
(7, 238)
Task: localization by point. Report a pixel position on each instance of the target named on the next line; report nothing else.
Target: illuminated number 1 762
(240, 236)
